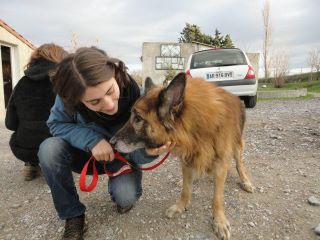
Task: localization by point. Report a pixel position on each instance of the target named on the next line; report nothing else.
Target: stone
(317, 230)
(314, 201)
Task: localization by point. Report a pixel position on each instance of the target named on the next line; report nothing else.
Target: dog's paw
(247, 186)
(221, 229)
(173, 210)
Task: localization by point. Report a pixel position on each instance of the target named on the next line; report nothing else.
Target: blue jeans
(58, 159)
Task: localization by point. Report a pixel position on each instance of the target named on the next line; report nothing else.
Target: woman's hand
(103, 151)
(158, 151)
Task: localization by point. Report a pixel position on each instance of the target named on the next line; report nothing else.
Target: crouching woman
(94, 98)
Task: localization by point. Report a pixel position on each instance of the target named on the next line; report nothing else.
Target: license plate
(219, 75)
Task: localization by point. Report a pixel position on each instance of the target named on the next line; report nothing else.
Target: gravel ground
(282, 157)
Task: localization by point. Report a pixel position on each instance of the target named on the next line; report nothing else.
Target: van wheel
(250, 101)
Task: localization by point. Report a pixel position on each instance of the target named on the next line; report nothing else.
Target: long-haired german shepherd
(206, 124)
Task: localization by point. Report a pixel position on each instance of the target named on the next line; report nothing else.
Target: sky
(120, 27)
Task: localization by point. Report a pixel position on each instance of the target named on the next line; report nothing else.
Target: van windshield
(217, 58)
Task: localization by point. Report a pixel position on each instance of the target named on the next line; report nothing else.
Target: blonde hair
(48, 51)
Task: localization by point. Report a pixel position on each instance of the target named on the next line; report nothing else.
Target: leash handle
(82, 180)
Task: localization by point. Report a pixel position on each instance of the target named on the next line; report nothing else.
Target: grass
(313, 86)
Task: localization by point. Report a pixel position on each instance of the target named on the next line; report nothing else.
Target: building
(15, 54)
(159, 57)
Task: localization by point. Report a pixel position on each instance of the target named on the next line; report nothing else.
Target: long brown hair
(48, 51)
(86, 67)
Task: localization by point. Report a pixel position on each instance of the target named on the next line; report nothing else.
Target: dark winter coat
(28, 110)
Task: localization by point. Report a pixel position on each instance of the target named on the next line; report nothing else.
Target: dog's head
(153, 117)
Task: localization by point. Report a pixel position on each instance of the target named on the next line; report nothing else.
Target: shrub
(137, 76)
(170, 74)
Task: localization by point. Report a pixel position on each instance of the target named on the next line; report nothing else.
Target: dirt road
(282, 157)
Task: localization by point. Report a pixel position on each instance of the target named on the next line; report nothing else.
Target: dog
(206, 124)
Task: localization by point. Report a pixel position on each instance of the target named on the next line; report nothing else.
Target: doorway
(6, 73)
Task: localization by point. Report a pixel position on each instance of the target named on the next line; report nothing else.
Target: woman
(29, 107)
(94, 98)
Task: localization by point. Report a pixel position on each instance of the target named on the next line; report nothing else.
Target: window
(170, 50)
(216, 58)
(170, 57)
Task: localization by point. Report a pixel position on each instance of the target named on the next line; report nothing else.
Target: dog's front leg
(220, 224)
(185, 196)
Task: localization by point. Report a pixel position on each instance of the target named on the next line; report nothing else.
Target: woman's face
(103, 97)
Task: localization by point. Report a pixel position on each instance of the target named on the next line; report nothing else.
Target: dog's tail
(242, 116)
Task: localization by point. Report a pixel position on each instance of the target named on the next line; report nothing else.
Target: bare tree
(318, 66)
(97, 42)
(280, 66)
(267, 41)
(74, 42)
(314, 62)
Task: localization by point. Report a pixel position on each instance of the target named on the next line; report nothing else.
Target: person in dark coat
(29, 107)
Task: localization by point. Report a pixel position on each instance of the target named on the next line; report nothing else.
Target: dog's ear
(171, 100)
(148, 84)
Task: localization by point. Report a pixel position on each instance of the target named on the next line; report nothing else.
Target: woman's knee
(125, 190)
(52, 150)
(125, 196)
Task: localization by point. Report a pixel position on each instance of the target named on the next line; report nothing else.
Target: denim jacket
(84, 135)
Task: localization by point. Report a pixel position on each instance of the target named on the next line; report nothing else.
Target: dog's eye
(137, 118)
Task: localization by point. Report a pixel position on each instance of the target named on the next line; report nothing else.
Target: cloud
(122, 26)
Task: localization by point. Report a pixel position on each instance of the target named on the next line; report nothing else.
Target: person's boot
(123, 210)
(74, 228)
(31, 171)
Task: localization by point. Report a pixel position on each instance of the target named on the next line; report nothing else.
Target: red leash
(123, 170)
